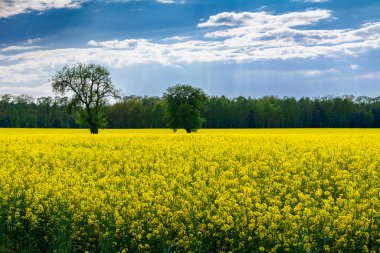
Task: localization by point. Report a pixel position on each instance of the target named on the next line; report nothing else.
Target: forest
(220, 112)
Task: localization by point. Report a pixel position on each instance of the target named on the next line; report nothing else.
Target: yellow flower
(228, 188)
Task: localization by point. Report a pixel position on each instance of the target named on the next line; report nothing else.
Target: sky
(250, 48)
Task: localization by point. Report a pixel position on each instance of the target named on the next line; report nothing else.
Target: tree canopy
(183, 107)
(88, 87)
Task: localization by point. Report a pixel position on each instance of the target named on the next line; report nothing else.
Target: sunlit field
(298, 190)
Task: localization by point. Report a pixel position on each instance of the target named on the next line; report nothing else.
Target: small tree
(183, 107)
(88, 87)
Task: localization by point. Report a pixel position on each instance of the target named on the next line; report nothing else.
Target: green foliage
(89, 86)
(219, 112)
(183, 107)
(137, 112)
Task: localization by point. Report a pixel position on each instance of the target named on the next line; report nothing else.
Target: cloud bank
(9, 8)
(227, 37)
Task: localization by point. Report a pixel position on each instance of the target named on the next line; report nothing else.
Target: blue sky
(227, 47)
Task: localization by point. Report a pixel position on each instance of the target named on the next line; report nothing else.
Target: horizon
(123, 97)
(286, 48)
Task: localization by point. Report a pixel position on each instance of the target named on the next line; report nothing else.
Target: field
(216, 190)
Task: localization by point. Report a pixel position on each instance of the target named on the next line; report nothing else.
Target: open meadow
(296, 190)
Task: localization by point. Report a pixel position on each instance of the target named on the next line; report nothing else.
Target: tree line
(219, 112)
(28, 112)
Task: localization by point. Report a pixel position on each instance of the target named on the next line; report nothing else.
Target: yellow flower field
(216, 190)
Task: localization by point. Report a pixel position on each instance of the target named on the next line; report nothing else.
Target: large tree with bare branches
(88, 87)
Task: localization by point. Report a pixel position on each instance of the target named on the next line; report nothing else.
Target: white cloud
(317, 72)
(18, 48)
(10, 8)
(228, 37)
(371, 75)
(92, 43)
(354, 66)
(32, 41)
(265, 20)
(177, 38)
(265, 36)
(312, 73)
(36, 91)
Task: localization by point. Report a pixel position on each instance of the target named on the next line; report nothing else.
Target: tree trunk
(94, 128)
(188, 130)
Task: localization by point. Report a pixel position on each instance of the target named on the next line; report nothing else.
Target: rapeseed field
(213, 191)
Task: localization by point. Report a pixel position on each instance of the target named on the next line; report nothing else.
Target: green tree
(88, 87)
(183, 107)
